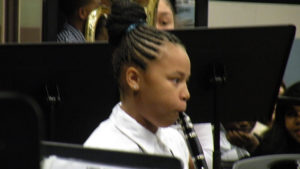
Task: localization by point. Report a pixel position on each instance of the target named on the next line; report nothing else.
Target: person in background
(165, 17)
(238, 140)
(152, 69)
(280, 93)
(165, 20)
(284, 135)
(101, 33)
(76, 13)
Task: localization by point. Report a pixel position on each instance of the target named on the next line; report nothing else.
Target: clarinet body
(192, 141)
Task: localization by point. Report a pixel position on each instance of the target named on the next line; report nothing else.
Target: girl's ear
(133, 78)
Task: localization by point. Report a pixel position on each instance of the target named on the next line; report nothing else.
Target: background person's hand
(243, 139)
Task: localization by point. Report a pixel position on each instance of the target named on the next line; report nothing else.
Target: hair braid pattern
(134, 42)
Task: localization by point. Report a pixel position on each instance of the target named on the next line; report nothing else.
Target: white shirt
(122, 132)
(205, 137)
(229, 152)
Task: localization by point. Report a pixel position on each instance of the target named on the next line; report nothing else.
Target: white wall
(228, 13)
(30, 20)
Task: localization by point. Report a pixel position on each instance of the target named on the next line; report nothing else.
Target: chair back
(20, 131)
(276, 161)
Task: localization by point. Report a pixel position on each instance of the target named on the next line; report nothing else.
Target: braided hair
(133, 42)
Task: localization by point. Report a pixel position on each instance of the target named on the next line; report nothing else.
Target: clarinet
(192, 141)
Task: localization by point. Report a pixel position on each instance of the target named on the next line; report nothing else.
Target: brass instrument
(150, 7)
(92, 21)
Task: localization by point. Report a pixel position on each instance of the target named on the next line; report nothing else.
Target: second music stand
(236, 73)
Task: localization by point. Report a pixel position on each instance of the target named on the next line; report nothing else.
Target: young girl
(152, 69)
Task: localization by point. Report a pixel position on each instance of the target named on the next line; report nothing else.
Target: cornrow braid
(137, 45)
(152, 34)
(136, 38)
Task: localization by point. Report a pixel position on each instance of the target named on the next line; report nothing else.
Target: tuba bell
(100, 14)
(93, 21)
(150, 7)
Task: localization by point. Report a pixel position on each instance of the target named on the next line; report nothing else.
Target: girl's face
(292, 123)
(164, 16)
(163, 86)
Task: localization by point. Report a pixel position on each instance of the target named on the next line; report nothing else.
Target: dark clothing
(277, 143)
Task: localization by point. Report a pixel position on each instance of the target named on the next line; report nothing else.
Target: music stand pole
(218, 80)
(201, 13)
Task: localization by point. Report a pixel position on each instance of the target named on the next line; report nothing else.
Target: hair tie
(134, 25)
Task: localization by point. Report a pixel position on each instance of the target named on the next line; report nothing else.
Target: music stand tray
(108, 158)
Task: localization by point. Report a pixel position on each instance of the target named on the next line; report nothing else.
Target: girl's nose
(185, 93)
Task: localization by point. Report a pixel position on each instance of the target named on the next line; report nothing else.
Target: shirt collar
(74, 31)
(150, 142)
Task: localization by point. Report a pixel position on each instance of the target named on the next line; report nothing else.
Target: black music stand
(236, 73)
(73, 83)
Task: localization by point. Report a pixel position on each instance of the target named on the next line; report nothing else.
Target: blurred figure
(101, 33)
(284, 135)
(76, 13)
(237, 140)
(281, 91)
(165, 17)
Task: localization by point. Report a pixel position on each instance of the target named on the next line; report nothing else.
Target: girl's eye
(165, 23)
(176, 80)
